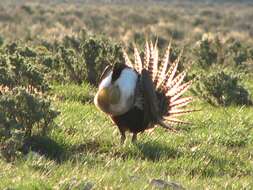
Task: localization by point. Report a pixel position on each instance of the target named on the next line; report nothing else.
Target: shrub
(85, 58)
(176, 33)
(1, 40)
(239, 53)
(22, 112)
(5, 78)
(206, 52)
(21, 69)
(73, 67)
(231, 53)
(219, 88)
(97, 53)
(23, 108)
(11, 143)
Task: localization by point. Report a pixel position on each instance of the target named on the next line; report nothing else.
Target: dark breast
(132, 121)
(116, 71)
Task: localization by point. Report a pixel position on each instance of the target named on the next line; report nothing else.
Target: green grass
(215, 152)
(71, 92)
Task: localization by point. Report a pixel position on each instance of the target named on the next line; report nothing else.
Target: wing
(150, 101)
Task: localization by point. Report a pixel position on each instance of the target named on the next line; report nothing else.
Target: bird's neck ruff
(117, 97)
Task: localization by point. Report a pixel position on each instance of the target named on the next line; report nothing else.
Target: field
(62, 48)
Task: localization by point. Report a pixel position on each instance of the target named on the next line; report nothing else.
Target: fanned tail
(166, 80)
(137, 60)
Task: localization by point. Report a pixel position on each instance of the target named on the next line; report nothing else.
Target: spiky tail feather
(165, 80)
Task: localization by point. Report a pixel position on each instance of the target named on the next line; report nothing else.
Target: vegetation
(22, 105)
(222, 89)
(53, 137)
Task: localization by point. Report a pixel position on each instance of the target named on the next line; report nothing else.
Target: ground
(84, 151)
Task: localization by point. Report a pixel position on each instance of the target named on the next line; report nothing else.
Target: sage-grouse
(145, 94)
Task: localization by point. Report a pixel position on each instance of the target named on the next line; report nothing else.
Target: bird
(144, 93)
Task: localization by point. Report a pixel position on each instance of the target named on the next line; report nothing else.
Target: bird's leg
(123, 137)
(134, 138)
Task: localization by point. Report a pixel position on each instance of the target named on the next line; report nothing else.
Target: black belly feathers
(132, 121)
(138, 119)
(158, 101)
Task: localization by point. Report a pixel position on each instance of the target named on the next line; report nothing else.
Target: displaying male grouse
(142, 95)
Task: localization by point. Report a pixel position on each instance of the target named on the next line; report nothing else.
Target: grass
(84, 150)
(72, 92)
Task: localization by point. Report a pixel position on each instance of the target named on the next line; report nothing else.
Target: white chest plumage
(126, 83)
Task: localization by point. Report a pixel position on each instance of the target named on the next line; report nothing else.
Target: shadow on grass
(89, 146)
(51, 149)
(45, 146)
(212, 166)
(149, 150)
(155, 151)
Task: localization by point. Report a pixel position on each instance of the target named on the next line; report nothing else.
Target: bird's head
(116, 90)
